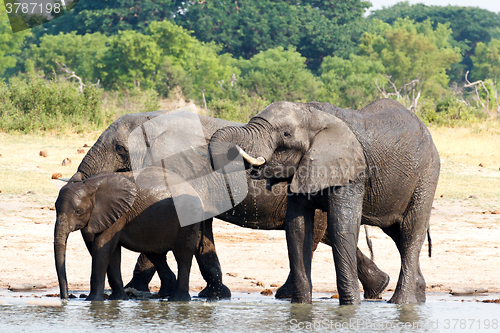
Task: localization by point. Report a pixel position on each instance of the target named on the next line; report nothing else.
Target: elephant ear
(334, 159)
(114, 195)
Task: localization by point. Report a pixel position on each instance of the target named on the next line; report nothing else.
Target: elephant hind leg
(409, 236)
(373, 279)
(167, 277)
(209, 265)
(143, 273)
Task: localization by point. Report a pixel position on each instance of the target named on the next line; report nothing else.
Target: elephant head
(111, 150)
(311, 148)
(91, 205)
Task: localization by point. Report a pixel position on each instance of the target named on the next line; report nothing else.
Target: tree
(10, 43)
(197, 66)
(414, 55)
(486, 61)
(130, 61)
(351, 82)
(245, 28)
(278, 74)
(83, 54)
(469, 25)
(109, 16)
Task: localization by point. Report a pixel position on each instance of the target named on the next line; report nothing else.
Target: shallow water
(245, 313)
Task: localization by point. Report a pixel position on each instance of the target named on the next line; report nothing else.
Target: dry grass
(461, 151)
(22, 169)
(473, 146)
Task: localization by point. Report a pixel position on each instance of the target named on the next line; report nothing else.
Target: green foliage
(486, 60)
(351, 83)
(410, 51)
(470, 25)
(189, 63)
(130, 61)
(109, 17)
(278, 74)
(449, 112)
(35, 104)
(118, 103)
(237, 109)
(245, 28)
(10, 43)
(81, 54)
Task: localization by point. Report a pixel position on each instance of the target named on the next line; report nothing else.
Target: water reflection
(244, 313)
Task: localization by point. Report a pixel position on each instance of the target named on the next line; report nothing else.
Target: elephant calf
(111, 211)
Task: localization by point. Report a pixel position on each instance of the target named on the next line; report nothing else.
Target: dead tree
(477, 98)
(407, 89)
(63, 68)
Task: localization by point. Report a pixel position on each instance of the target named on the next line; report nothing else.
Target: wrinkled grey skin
(112, 211)
(377, 166)
(260, 210)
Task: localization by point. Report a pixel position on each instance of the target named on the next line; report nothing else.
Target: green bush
(239, 110)
(35, 104)
(449, 112)
(118, 103)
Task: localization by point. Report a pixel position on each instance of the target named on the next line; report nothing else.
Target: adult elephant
(377, 166)
(261, 209)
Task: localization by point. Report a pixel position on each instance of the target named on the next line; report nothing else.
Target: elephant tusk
(254, 161)
(64, 179)
(200, 153)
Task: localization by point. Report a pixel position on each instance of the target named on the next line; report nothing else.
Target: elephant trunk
(61, 234)
(228, 142)
(90, 164)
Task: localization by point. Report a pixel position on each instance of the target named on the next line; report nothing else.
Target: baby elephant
(111, 211)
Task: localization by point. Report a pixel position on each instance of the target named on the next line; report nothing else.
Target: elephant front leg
(299, 225)
(102, 250)
(285, 291)
(344, 219)
(209, 265)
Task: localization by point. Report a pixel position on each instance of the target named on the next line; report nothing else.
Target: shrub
(35, 104)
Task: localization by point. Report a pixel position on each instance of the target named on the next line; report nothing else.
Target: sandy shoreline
(465, 238)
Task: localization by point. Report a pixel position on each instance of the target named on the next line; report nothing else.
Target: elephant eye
(120, 149)
(287, 134)
(79, 211)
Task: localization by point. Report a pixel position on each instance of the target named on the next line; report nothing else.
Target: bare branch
(65, 69)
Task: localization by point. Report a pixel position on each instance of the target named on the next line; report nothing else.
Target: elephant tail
(369, 242)
(201, 246)
(429, 240)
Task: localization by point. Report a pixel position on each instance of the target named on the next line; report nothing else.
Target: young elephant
(111, 211)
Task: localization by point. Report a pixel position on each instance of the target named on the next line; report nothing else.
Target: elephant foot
(218, 291)
(375, 291)
(137, 285)
(304, 298)
(285, 291)
(118, 296)
(179, 296)
(166, 291)
(95, 297)
(401, 297)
